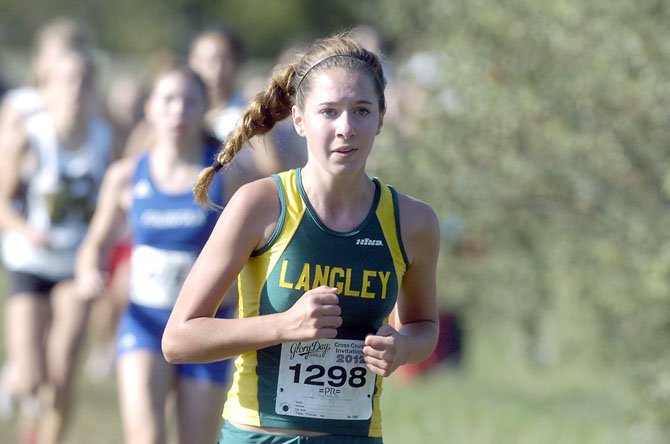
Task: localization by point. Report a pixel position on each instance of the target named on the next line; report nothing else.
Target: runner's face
(340, 119)
(176, 106)
(68, 83)
(213, 59)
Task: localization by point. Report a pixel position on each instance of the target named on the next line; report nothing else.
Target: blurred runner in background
(55, 151)
(154, 191)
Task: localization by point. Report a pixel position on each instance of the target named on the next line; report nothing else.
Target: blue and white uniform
(169, 230)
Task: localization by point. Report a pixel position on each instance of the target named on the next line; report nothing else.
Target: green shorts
(233, 435)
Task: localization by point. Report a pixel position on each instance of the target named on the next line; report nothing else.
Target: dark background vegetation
(539, 132)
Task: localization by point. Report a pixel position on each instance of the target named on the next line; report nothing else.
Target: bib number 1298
(335, 376)
(325, 378)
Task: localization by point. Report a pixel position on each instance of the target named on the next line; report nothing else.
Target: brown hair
(288, 86)
(223, 34)
(173, 67)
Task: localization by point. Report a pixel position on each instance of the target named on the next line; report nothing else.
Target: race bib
(157, 275)
(324, 378)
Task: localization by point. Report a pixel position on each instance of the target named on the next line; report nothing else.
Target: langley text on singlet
(344, 279)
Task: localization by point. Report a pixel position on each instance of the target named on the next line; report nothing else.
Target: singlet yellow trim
(250, 285)
(386, 214)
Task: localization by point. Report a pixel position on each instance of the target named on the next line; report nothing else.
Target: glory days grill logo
(315, 349)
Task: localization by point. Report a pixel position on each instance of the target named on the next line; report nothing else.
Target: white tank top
(60, 197)
(26, 99)
(228, 118)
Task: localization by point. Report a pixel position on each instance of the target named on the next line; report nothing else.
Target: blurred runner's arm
(110, 210)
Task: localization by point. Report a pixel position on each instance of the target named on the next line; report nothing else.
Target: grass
(463, 407)
(490, 399)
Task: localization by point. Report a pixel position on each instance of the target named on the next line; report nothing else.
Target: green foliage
(130, 26)
(544, 134)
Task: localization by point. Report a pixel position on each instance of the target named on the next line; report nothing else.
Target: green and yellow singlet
(319, 385)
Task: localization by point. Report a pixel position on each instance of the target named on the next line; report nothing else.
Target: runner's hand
(36, 238)
(89, 284)
(316, 315)
(383, 351)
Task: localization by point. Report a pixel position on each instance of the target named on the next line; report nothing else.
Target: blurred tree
(542, 126)
(129, 26)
